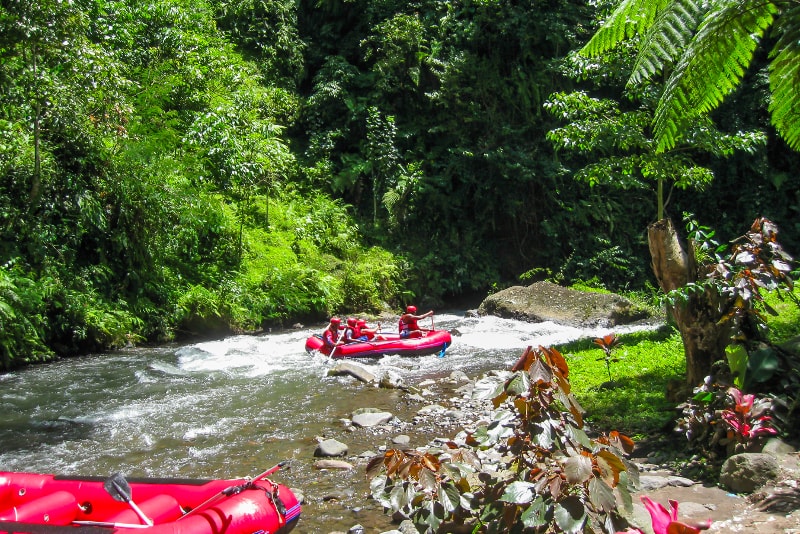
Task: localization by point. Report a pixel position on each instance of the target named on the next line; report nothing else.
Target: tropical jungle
(172, 168)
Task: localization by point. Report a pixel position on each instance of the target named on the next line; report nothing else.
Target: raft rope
(273, 495)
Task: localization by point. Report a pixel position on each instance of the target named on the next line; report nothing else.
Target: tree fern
(709, 46)
(784, 77)
(670, 33)
(630, 18)
(712, 65)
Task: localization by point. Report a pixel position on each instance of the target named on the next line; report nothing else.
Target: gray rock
(366, 420)
(743, 473)
(680, 482)
(330, 447)
(777, 447)
(391, 380)
(402, 439)
(407, 527)
(357, 529)
(349, 368)
(458, 376)
(545, 301)
(650, 482)
(333, 464)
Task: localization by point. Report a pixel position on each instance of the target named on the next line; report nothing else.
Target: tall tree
(703, 50)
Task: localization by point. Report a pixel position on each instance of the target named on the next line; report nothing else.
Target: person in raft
(350, 331)
(364, 333)
(331, 336)
(408, 324)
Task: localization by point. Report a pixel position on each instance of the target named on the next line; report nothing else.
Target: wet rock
(330, 447)
(356, 371)
(743, 473)
(391, 380)
(333, 464)
(458, 377)
(370, 419)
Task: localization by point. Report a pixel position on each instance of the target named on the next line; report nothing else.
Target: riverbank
(436, 409)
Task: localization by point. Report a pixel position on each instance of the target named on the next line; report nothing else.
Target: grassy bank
(636, 402)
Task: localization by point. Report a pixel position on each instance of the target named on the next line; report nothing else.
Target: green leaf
(601, 495)
(762, 365)
(535, 515)
(449, 497)
(570, 515)
(487, 388)
(519, 493)
(520, 383)
(737, 361)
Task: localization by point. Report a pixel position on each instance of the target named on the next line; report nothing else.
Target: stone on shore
(370, 419)
(330, 447)
(744, 473)
(356, 371)
(545, 301)
(333, 464)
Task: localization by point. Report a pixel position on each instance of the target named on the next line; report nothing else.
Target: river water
(234, 407)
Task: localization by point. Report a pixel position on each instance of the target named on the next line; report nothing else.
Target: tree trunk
(697, 319)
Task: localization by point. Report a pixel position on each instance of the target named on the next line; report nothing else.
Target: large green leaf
(570, 515)
(519, 492)
(601, 495)
(535, 515)
(762, 365)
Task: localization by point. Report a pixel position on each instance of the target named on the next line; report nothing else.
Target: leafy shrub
(22, 321)
(531, 468)
(720, 420)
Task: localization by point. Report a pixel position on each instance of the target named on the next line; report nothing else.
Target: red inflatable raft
(431, 342)
(49, 504)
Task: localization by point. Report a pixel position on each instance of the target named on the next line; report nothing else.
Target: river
(234, 407)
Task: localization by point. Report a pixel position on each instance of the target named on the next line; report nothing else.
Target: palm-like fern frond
(664, 41)
(630, 18)
(712, 65)
(784, 78)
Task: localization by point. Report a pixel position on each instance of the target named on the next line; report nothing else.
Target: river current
(233, 407)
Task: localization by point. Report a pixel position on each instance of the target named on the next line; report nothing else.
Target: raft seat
(161, 508)
(57, 508)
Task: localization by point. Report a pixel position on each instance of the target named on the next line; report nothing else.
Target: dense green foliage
(175, 166)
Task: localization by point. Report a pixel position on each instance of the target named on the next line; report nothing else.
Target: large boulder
(545, 301)
(743, 473)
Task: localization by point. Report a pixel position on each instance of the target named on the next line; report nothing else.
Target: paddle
(120, 490)
(336, 345)
(233, 490)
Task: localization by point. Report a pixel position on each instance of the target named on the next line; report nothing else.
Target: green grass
(786, 324)
(636, 405)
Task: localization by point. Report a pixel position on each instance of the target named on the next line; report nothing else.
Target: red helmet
(335, 320)
(411, 309)
(351, 321)
(361, 322)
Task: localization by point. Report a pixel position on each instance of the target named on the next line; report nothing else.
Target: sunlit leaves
(706, 48)
(557, 475)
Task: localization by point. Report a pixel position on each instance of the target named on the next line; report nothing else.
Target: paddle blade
(118, 488)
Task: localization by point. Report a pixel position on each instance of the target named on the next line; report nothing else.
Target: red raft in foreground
(48, 504)
(431, 342)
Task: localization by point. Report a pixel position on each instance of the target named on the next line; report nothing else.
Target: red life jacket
(403, 326)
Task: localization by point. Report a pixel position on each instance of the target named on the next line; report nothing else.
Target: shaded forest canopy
(175, 166)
